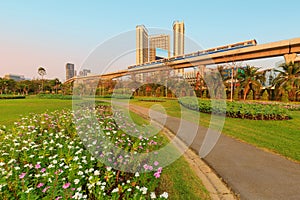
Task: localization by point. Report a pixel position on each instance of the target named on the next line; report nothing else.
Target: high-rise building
(70, 71)
(85, 72)
(178, 40)
(178, 37)
(158, 41)
(142, 52)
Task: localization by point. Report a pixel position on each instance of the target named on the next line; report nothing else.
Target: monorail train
(229, 47)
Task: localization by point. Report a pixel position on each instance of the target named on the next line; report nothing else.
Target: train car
(224, 48)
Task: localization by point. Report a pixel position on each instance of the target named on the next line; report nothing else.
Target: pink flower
(66, 185)
(156, 163)
(145, 166)
(45, 189)
(22, 175)
(37, 166)
(43, 170)
(40, 185)
(159, 169)
(57, 198)
(157, 174)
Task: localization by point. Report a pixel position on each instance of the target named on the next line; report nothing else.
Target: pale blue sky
(50, 33)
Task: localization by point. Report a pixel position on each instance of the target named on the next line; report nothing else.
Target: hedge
(237, 109)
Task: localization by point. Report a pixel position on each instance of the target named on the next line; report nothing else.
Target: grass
(178, 179)
(12, 109)
(281, 137)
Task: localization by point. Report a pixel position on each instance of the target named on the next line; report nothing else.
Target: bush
(153, 100)
(11, 97)
(58, 96)
(237, 109)
(265, 96)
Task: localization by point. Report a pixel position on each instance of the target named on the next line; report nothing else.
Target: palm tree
(42, 73)
(288, 79)
(250, 79)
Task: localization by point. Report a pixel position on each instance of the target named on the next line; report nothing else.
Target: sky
(50, 33)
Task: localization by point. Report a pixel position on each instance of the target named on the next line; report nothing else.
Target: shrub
(237, 109)
(265, 96)
(11, 97)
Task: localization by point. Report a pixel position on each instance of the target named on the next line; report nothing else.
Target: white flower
(2, 163)
(144, 190)
(37, 175)
(96, 173)
(164, 195)
(115, 190)
(137, 174)
(129, 189)
(11, 161)
(50, 166)
(80, 173)
(108, 169)
(77, 195)
(29, 189)
(76, 181)
(91, 170)
(152, 195)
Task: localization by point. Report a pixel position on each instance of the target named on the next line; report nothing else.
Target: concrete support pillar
(290, 58)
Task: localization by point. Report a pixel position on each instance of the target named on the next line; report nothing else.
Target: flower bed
(237, 109)
(42, 157)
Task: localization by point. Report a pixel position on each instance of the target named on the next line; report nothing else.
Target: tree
(250, 79)
(42, 73)
(288, 80)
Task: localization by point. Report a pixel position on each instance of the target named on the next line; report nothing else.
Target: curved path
(250, 172)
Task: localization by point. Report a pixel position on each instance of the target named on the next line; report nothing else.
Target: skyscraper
(142, 51)
(158, 41)
(178, 44)
(178, 37)
(70, 72)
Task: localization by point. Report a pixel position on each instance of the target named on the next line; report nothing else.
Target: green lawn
(178, 179)
(282, 137)
(12, 109)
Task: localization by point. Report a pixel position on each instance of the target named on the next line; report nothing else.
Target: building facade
(70, 71)
(142, 49)
(178, 37)
(14, 77)
(178, 41)
(158, 41)
(85, 72)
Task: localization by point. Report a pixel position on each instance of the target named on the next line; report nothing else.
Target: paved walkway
(250, 172)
